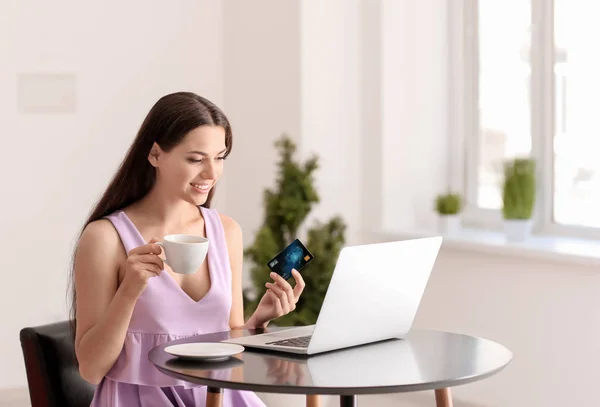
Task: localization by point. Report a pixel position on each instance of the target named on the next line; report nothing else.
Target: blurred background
(401, 100)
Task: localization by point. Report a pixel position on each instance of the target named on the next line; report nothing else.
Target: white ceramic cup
(184, 253)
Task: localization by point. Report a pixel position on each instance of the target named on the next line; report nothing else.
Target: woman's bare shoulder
(100, 240)
(231, 227)
(99, 230)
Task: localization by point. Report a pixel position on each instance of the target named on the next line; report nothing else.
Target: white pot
(449, 224)
(517, 230)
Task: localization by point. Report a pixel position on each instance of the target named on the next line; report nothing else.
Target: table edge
(284, 389)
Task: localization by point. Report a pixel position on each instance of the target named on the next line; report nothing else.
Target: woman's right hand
(142, 264)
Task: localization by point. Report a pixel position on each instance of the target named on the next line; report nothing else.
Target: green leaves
(263, 249)
(289, 204)
(518, 192)
(325, 242)
(448, 204)
(286, 208)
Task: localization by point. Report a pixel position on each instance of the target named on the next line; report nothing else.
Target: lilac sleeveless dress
(164, 312)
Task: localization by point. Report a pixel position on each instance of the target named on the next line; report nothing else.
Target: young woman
(126, 300)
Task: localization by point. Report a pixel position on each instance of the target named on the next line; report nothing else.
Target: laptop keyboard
(299, 342)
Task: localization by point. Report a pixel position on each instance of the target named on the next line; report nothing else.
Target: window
(576, 121)
(533, 72)
(504, 96)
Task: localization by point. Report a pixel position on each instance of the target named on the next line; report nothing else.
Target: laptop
(373, 295)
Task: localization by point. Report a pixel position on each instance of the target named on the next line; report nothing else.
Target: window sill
(538, 247)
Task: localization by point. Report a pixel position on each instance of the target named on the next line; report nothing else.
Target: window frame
(463, 119)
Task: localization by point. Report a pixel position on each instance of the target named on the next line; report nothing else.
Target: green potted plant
(448, 206)
(285, 208)
(518, 197)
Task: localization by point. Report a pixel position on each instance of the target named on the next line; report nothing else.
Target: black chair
(52, 372)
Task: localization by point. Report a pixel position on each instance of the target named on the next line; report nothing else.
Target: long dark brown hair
(169, 120)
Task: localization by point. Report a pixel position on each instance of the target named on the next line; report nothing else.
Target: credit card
(294, 256)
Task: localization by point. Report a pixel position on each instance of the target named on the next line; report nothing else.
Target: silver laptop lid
(374, 293)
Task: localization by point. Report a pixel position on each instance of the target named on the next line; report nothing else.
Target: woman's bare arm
(103, 310)
(233, 236)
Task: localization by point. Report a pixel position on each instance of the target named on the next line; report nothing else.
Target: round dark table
(423, 360)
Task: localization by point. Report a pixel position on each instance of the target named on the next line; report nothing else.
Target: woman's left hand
(280, 299)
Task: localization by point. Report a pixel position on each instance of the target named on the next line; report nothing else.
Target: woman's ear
(154, 155)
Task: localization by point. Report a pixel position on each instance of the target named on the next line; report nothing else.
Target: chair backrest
(52, 371)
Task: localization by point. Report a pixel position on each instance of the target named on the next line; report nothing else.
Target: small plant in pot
(518, 196)
(448, 207)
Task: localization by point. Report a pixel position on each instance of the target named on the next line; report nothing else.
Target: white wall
(331, 117)
(124, 56)
(296, 73)
(545, 312)
(261, 49)
(370, 96)
(414, 110)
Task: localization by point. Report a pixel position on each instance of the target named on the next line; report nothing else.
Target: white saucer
(204, 351)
